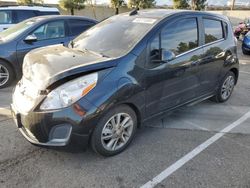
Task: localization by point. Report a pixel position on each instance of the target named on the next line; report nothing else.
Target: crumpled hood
(47, 65)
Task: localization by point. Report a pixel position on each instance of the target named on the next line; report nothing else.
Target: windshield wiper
(72, 43)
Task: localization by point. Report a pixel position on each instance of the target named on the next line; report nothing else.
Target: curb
(5, 111)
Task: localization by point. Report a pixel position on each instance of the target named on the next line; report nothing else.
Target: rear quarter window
(213, 30)
(6, 17)
(22, 15)
(77, 27)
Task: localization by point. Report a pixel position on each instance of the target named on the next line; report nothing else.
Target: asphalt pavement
(156, 152)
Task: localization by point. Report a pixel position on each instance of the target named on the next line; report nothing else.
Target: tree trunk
(116, 10)
(72, 11)
(93, 9)
(193, 4)
(233, 4)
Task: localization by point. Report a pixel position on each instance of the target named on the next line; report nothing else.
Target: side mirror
(167, 55)
(30, 39)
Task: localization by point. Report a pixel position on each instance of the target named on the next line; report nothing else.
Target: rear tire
(7, 75)
(244, 51)
(225, 89)
(114, 131)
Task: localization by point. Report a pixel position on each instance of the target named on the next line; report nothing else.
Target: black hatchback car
(18, 40)
(122, 72)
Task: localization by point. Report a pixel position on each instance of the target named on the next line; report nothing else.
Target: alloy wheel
(227, 87)
(117, 131)
(4, 75)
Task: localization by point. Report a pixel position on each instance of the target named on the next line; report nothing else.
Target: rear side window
(181, 36)
(78, 26)
(22, 15)
(213, 30)
(5, 17)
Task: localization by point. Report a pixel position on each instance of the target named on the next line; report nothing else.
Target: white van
(10, 15)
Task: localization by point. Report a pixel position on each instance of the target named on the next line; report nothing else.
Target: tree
(24, 2)
(233, 4)
(141, 3)
(92, 4)
(198, 4)
(38, 1)
(116, 4)
(29, 2)
(181, 4)
(72, 5)
(182, 47)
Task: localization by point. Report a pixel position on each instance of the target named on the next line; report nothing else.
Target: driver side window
(51, 30)
(178, 38)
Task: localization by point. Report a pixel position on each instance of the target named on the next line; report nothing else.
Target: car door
(50, 33)
(172, 83)
(214, 53)
(78, 26)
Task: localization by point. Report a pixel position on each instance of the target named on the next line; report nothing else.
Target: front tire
(114, 131)
(6, 74)
(226, 88)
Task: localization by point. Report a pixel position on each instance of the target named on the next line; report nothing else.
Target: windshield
(115, 36)
(15, 30)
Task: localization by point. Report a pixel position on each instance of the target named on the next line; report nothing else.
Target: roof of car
(55, 17)
(163, 13)
(38, 8)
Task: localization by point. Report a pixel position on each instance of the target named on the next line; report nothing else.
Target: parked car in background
(37, 32)
(247, 22)
(246, 44)
(122, 72)
(10, 15)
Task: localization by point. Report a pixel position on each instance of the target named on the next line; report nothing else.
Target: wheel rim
(227, 87)
(117, 131)
(4, 75)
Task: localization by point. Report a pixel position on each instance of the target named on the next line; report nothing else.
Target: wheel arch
(136, 110)
(236, 73)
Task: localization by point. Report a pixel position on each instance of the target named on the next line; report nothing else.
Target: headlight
(70, 92)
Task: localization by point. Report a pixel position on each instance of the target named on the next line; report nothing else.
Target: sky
(169, 2)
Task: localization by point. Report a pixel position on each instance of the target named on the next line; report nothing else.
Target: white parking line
(182, 161)
(5, 111)
(245, 72)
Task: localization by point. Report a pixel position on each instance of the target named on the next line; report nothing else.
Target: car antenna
(134, 12)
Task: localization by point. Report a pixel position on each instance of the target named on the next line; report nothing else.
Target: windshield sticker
(144, 20)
